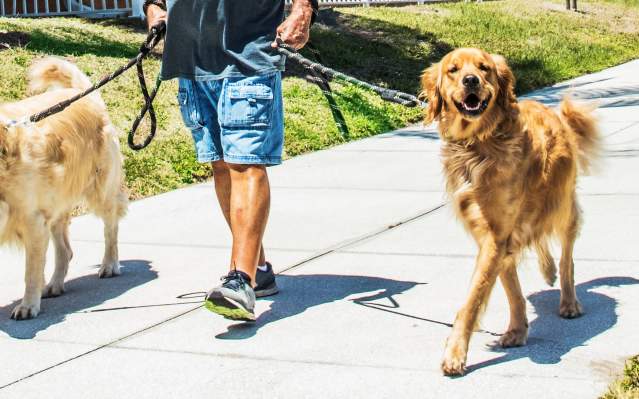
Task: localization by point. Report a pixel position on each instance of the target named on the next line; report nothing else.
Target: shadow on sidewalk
(603, 97)
(299, 293)
(551, 337)
(81, 293)
(423, 133)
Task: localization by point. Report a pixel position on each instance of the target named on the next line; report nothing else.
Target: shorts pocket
(189, 109)
(247, 106)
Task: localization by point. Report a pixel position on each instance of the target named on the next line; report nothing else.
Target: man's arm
(155, 11)
(294, 30)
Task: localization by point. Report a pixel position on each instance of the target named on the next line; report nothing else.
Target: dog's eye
(452, 69)
(484, 67)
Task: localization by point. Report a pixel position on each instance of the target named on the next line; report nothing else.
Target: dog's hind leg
(569, 306)
(63, 255)
(110, 263)
(108, 200)
(4, 216)
(517, 332)
(546, 263)
(36, 239)
(111, 213)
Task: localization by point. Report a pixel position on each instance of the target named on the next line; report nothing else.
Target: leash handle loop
(155, 35)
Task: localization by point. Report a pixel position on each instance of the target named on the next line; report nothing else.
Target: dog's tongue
(471, 102)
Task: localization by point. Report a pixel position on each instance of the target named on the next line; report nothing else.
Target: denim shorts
(239, 119)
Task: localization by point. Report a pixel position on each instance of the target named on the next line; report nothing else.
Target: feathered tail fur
(50, 73)
(584, 125)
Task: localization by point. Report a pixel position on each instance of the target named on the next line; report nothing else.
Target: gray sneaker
(234, 299)
(265, 284)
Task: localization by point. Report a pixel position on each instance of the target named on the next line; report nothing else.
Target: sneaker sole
(268, 291)
(228, 309)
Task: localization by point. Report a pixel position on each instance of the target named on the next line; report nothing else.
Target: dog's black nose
(470, 81)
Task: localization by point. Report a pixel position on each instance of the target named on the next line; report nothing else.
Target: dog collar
(9, 123)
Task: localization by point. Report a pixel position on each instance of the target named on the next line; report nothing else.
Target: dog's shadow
(81, 293)
(550, 336)
(299, 293)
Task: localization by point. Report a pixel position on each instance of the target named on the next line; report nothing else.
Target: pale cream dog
(48, 168)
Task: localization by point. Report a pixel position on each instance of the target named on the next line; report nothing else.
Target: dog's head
(468, 86)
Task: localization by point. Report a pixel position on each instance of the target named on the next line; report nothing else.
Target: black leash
(396, 96)
(321, 76)
(322, 81)
(148, 107)
(155, 36)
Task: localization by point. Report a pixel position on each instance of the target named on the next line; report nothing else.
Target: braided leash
(322, 82)
(321, 75)
(396, 96)
(148, 107)
(154, 37)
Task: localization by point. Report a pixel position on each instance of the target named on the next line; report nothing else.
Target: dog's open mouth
(472, 105)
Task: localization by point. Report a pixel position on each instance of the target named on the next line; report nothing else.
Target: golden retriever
(511, 170)
(48, 168)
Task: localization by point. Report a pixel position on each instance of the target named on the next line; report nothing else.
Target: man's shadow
(299, 293)
(81, 293)
(551, 336)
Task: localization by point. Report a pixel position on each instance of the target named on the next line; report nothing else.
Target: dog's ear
(431, 92)
(506, 81)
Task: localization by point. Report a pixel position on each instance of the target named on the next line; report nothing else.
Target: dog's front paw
(24, 311)
(570, 309)
(111, 269)
(53, 289)
(454, 362)
(513, 338)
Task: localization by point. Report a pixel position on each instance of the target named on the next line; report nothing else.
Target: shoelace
(233, 276)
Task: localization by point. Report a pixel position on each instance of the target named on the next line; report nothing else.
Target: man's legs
(237, 125)
(244, 195)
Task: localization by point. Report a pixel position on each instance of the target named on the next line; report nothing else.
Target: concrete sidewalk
(375, 267)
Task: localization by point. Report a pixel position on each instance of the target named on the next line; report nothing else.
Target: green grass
(543, 42)
(627, 387)
(389, 46)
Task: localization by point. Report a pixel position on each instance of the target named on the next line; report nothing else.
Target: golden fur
(47, 169)
(511, 170)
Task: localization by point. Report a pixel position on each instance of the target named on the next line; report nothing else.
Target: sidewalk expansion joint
(240, 356)
(367, 236)
(99, 347)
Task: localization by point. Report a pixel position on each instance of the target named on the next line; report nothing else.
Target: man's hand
(154, 15)
(294, 30)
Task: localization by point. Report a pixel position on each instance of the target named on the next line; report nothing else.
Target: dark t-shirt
(214, 39)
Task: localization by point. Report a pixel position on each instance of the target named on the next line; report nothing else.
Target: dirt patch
(9, 40)
(428, 9)
(625, 20)
(556, 7)
(620, 19)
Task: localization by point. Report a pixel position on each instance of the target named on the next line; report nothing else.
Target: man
(230, 95)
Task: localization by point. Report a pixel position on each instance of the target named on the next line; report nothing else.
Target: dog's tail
(584, 126)
(50, 73)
